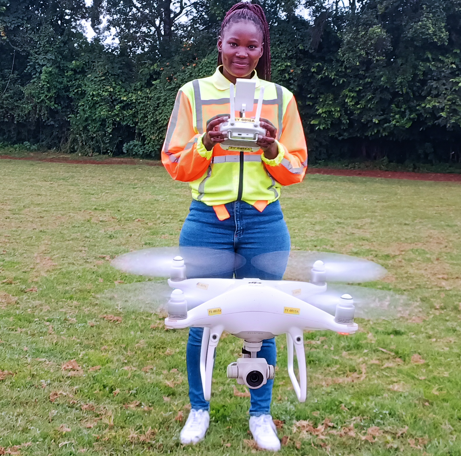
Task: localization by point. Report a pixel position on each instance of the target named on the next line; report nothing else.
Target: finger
(217, 135)
(218, 139)
(218, 118)
(215, 122)
(265, 141)
(263, 119)
(271, 130)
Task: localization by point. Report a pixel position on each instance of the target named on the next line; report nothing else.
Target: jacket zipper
(240, 192)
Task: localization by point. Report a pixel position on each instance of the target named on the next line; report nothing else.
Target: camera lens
(255, 379)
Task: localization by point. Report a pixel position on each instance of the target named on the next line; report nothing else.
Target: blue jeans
(249, 233)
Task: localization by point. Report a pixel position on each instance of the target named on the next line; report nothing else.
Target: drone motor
(177, 305)
(178, 269)
(345, 310)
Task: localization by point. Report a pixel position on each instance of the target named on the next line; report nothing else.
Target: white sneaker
(264, 432)
(195, 428)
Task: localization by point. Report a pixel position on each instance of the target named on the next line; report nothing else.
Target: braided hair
(253, 13)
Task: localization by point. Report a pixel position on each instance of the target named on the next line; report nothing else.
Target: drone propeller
(338, 268)
(150, 296)
(200, 262)
(138, 296)
(369, 303)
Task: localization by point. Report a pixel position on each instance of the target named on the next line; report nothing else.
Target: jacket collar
(222, 83)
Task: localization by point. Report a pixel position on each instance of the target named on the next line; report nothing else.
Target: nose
(242, 53)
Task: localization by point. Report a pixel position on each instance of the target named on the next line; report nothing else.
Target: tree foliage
(378, 79)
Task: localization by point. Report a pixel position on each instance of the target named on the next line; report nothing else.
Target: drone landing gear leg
(295, 339)
(210, 341)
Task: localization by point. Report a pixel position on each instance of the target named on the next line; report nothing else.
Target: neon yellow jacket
(221, 176)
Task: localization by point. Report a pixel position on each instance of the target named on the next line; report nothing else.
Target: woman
(235, 193)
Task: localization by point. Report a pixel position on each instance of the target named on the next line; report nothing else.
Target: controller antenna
(232, 104)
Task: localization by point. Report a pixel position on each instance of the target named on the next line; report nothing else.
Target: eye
(233, 44)
(252, 47)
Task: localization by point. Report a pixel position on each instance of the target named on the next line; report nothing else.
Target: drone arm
(295, 340)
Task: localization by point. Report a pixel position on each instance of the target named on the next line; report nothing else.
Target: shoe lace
(195, 420)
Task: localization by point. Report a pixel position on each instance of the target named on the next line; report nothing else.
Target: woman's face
(241, 47)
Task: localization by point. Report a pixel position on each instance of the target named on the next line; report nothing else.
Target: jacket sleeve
(290, 165)
(183, 154)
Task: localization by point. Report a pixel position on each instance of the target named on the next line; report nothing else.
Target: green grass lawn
(79, 375)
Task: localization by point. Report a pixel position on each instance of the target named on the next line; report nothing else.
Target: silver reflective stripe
(226, 159)
(252, 158)
(173, 158)
(272, 187)
(198, 106)
(201, 187)
(304, 163)
(173, 123)
(191, 144)
(290, 168)
(268, 102)
(236, 158)
(280, 110)
(221, 101)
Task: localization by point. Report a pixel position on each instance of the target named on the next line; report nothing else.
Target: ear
(219, 44)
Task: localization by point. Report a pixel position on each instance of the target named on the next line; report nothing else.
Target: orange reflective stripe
(221, 212)
(260, 205)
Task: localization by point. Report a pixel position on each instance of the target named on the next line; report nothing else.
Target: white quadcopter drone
(252, 309)
(242, 132)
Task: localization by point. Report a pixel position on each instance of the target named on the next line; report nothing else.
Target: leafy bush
(136, 149)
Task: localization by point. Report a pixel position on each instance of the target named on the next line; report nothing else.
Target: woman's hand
(267, 143)
(213, 135)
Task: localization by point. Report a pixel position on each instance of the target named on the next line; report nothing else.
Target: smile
(240, 65)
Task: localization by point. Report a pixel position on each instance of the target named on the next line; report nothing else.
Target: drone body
(250, 308)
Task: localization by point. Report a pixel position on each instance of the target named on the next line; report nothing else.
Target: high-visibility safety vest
(220, 176)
